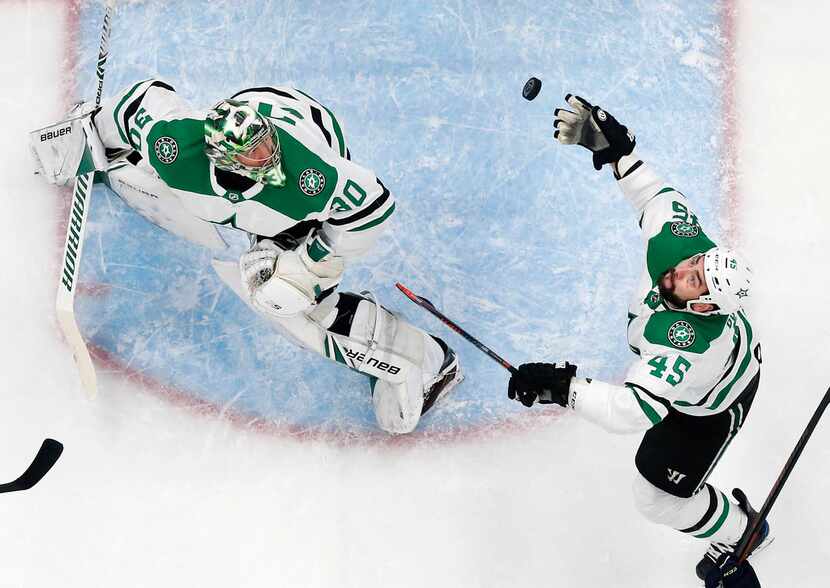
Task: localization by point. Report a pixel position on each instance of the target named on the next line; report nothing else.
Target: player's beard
(668, 292)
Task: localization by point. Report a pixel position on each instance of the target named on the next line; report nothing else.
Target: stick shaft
(429, 307)
(73, 244)
(743, 550)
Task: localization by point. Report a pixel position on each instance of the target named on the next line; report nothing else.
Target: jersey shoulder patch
(684, 331)
(176, 150)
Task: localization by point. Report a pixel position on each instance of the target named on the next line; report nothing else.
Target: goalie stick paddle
(46, 457)
(73, 244)
(739, 574)
(430, 307)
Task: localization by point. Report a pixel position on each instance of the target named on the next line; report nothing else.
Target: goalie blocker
(69, 148)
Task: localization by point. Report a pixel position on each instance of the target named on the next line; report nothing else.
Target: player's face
(684, 281)
(259, 155)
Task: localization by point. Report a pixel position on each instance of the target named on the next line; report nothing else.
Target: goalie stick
(46, 457)
(73, 245)
(430, 307)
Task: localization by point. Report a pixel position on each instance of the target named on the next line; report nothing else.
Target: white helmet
(728, 278)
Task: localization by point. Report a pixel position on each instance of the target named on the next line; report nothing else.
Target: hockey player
(698, 355)
(274, 162)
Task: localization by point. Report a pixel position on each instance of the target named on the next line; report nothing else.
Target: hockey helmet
(729, 280)
(234, 128)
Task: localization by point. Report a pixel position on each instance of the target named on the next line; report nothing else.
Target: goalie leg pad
(403, 359)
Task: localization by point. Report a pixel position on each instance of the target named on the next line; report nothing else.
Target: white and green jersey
(697, 365)
(323, 184)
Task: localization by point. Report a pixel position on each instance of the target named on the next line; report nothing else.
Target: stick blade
(80, 352)
(419, 300)
(406, 291)
(49, 452)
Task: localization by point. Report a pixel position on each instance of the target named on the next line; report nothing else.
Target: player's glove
(542, 382)
(593, 128)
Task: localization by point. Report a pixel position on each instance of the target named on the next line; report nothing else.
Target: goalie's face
(260, 155)
(684, 282)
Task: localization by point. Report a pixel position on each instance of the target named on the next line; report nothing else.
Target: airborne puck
(531, 89)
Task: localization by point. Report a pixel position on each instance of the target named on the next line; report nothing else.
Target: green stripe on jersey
(375, 222)
(119, 106)
(650, 413)
(747, 359)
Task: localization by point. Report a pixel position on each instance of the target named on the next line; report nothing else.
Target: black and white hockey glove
(542, 382)
(593, 128)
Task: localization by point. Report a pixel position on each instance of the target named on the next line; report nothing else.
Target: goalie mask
(241, 140)
(729, 280)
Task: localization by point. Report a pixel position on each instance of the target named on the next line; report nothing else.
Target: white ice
(151, 494)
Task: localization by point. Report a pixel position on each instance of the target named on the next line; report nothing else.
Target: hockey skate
(718, 553)
(449, 376)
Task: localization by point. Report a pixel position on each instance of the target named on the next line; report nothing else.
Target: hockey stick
(46, 457)
(73, 245)
(430, 307)
(743, 550)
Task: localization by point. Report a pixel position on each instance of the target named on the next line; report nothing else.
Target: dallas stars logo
(312, 182)
(684, 229)
(167, 150)
(681, 334)
(742, 293)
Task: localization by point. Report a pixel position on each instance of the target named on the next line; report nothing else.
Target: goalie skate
(449, 376)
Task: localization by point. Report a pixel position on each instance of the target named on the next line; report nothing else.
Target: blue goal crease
(512, 235)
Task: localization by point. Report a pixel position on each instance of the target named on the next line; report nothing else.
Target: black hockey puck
(531, 89)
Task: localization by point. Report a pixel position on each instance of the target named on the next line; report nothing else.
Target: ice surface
(517, 239)
(150, 492)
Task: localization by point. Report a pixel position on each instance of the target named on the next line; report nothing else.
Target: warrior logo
(681, 334)
(675, 476)
(312, 182)
(684, 229)
(167, 150)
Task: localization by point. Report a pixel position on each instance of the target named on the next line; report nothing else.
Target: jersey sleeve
(671, 228)
(361, 211)
(617, 409)
(126, 120)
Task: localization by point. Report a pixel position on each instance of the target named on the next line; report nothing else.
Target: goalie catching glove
(283, 283)
(593, 128)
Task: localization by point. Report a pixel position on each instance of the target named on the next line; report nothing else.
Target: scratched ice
(512, 235)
